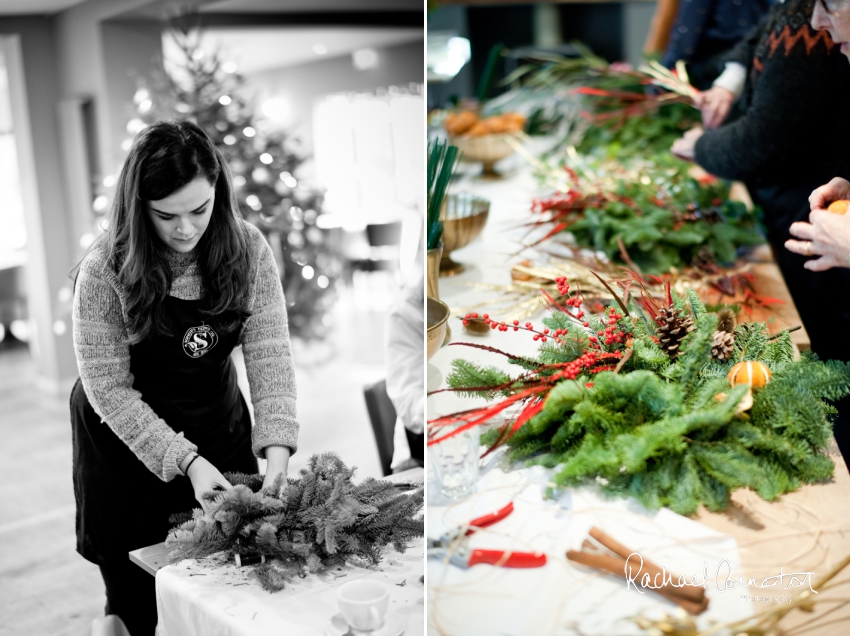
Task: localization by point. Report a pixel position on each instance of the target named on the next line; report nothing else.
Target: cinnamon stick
(693, 593)
(616, 565)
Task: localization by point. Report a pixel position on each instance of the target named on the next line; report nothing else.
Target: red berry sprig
(585, 363)
(610, 335)
(539, 335)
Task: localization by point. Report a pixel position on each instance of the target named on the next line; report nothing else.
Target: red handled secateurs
(454, 545)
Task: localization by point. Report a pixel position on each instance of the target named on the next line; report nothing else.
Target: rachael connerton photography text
(723, 578)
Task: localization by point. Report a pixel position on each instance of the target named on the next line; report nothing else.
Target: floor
(46, 588)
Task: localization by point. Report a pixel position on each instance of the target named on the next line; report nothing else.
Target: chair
(416, 442)
(382, 415)
(381, 234)
(384, 239)
(373, 273)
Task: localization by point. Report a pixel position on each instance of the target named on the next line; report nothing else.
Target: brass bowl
(464, 216)
(438, 320)
(487, 149)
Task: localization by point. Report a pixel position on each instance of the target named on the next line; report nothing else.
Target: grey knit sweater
(103, 357)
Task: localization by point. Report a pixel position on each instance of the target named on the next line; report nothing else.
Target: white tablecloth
(211, 597)
(486, 600)
(548, 600)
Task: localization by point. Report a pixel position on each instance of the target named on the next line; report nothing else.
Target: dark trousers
(416, 441)
(131, 595)
(822, 298)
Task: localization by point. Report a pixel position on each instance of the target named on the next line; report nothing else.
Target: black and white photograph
(212, 317)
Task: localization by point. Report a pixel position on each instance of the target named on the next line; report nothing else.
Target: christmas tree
(207, 90)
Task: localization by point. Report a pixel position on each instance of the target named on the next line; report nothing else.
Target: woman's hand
(205, 477)
(277, 462)
(684, 147)
(826, 235)
(836, 189)
(714, 104)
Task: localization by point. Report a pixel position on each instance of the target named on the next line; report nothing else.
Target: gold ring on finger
(807, 250)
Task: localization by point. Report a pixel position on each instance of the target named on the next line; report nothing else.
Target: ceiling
(278, 6)
(259, 49)
(30, 7)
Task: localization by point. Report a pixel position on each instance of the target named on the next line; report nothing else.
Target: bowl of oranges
(484, 139)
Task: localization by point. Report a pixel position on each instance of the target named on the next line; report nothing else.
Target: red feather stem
(560, 227)
(484, 414)
(649, 306)
(553, 304)
(531, 409)
(599, 92)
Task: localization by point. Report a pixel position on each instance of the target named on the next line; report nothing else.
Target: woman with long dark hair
(176, 282)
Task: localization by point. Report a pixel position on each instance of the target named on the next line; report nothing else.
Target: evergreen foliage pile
(667, 430)
(621, 115)
(304, 525)
(659, 218)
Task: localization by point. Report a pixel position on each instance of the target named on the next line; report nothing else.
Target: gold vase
(463, 216)
(434, 257)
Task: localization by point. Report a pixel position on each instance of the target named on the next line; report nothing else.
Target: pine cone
(673, 326)
(722, 345)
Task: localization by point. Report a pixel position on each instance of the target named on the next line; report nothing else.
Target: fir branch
(326, 519)
(468, 378)
(668, 431)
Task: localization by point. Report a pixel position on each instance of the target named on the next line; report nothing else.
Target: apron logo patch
(199, 340)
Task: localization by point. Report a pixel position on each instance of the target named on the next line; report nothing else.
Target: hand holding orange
(838, 207)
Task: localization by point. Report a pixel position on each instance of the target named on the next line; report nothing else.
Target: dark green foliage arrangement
(616, 133)
(663, 218)
(668, 431)
(622, 117)
(304, 525)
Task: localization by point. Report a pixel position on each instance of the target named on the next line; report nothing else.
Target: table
(808, 530)
(213, 597)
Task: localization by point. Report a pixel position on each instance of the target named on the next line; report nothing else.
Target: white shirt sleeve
(405, 361)
(733, 78)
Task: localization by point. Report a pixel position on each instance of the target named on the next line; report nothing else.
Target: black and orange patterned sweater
(795, 121)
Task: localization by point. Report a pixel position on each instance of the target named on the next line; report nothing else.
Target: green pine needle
(311, 523)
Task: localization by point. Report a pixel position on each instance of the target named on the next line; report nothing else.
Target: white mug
(363, 603)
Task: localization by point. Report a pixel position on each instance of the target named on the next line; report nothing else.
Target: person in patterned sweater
(790, 138)
(160, 301)
(827, 236)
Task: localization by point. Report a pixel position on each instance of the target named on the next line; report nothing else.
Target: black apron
(189, 381)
